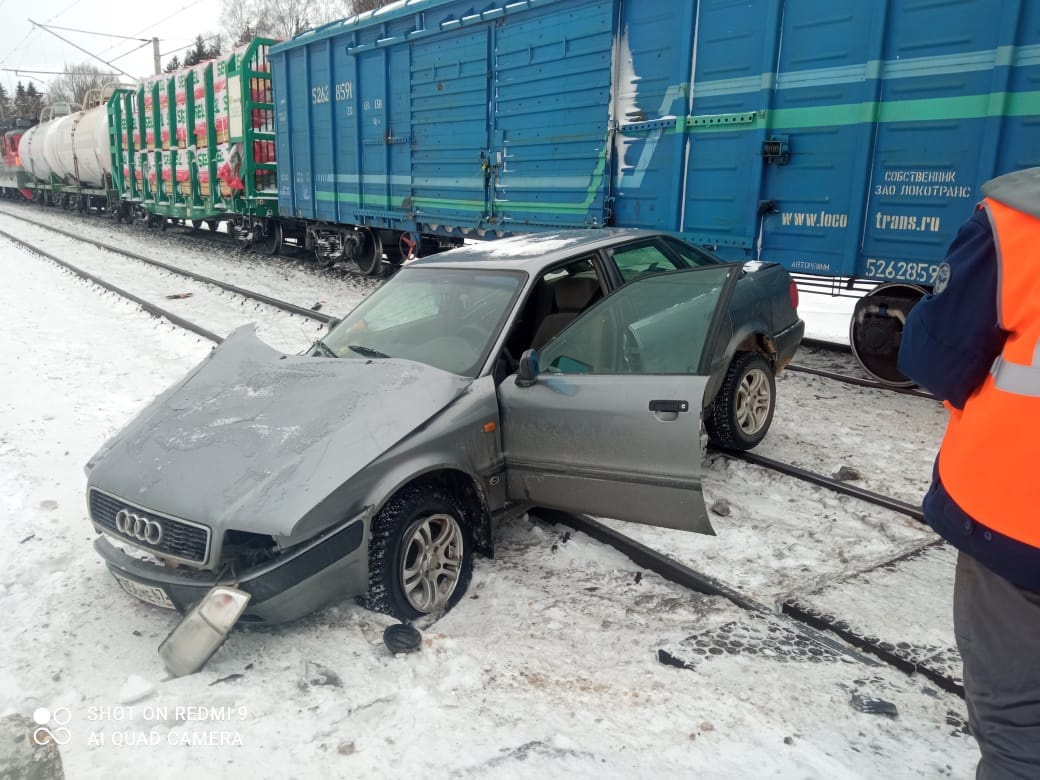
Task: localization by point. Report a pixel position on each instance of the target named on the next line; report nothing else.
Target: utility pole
(155, 55)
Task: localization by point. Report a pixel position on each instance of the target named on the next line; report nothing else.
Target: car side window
(659, 324)
(635, 260)
(691, 255)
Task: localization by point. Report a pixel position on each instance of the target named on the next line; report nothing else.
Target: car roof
(531, 252)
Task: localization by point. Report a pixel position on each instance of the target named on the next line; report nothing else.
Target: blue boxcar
(839, 137)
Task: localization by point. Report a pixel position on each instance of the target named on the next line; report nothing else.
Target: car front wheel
(420, 556)
(741, 414)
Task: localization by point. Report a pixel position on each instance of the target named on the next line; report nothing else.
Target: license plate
(149, 593)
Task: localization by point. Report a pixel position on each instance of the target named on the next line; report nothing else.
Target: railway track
(828, 633)
(827, 353)
(808, 611)
(207, 294)
(227, 286)
(207, 239)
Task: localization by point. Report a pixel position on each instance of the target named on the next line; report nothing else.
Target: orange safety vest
(989, 455)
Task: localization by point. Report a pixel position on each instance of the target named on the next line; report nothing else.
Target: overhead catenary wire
(47, 29)
(18, 45)
(26, 71)
(102, 34)
(127, 54)
(156, 24)
(182, 48)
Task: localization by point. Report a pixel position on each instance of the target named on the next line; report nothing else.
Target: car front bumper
(331, 566)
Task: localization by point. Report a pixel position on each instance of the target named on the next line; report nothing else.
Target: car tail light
(792, 290)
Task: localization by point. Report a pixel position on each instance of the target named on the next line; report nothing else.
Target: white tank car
(58, 137)
(32, 148)
(79, 144)
(73, 145)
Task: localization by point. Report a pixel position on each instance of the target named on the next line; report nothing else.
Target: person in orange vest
(975, 343)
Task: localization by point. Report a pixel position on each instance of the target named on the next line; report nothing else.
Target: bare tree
(79, 78)
(244, 19)
(360, 6)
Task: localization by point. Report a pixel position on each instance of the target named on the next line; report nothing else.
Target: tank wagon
(846, 140)
(13, 177)
(66, 155)
(198, 146)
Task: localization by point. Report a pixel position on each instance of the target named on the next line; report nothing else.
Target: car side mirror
(527, 373)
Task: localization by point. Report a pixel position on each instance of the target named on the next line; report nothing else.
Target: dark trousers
(998, 635)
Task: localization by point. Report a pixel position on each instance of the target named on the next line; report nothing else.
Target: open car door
(611, 425)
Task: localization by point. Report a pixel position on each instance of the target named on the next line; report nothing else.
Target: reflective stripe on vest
(1017, 378)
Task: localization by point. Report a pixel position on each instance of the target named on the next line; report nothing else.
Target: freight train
(846, 140)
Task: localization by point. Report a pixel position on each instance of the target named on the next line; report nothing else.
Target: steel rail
(815, 627)
(813, 624)
(859, 382)
(828, 482)
(149, 307)
(212, 237)
(232, 288)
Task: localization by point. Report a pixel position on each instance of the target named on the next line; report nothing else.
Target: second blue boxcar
(840, 138)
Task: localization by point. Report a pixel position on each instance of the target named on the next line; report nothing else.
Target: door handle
(670, 406)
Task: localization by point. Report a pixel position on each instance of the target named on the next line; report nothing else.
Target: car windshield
(447, 318)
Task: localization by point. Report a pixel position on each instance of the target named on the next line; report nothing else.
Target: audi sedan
(571, 371)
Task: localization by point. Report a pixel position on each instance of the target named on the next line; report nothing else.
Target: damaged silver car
(568, 371)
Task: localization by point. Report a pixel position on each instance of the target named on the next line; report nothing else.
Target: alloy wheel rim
(431, 562)
(753, 400)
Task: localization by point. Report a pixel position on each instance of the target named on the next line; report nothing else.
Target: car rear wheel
(743, 410)
(420, 556)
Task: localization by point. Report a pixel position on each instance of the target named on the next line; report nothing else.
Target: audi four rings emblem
(141, 528)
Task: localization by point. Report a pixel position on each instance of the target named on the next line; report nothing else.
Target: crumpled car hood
(253, 439)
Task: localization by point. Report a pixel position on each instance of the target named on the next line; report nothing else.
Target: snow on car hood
(253, 438)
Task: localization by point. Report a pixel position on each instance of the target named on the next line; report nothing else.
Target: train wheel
(271, 242)
(212, 224)
(877, 328)
(370, 260)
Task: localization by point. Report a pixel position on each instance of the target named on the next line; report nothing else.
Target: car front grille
(178, 539)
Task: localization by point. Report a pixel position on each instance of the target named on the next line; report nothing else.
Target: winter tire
(420, 554)
(743, 410)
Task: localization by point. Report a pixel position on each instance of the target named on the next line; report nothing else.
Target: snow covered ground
(550, 667)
